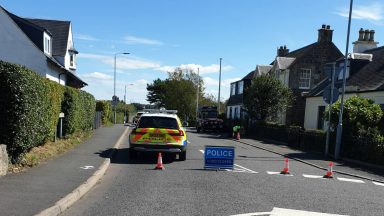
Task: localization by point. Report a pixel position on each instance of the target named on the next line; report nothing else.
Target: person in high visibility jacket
(236, 130)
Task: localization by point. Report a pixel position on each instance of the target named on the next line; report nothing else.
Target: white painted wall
(17, 48)
(312, 106)
(69, 46)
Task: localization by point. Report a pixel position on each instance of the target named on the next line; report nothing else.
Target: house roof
(263, 69)
(249, 76)
(369, 77)
(284, 62)
(59, 31)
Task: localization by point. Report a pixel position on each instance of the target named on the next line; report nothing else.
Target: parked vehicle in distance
(208, 119)
(137, 116)
(159, 131)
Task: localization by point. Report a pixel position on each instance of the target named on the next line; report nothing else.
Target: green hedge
(30, 106)
(106, 109)
(79, 110)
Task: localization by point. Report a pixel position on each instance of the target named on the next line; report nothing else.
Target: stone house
(301, 70)
(235, 102)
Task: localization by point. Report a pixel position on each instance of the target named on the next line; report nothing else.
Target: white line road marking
(87, 167)
(378, 183)
(277, 173)
(288, 212)
(242, 169)
(351, 180)
(273, 173)
(313, 176)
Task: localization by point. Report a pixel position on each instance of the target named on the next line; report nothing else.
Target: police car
(159, 131)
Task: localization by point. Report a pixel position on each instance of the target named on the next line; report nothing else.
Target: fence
(98, 120)
(366, 149)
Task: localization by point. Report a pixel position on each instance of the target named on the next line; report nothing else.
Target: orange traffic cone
(159, 165)
(286, 168)
(238, 136)
(329, 173)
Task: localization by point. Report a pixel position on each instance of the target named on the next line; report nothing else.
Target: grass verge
(49, 150)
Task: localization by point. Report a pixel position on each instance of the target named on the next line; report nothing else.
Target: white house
(44, 46)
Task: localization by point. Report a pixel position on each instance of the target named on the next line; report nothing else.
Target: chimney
(372, 35)
(366, 41)
(282, 51)
(325, 34)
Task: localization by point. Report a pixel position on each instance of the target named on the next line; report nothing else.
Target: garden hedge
(30, 106)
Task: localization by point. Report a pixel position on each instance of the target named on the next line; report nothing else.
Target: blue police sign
(219, 157)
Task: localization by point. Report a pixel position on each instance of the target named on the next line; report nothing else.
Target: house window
(233, 89)
(71, 60)
(240, 87)
(47, 44)
(305, 79)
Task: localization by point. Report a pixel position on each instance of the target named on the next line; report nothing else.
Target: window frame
(305, 79)
(47, 43)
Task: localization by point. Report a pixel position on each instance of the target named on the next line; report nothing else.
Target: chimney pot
(366, 35)
(361, 34)
(328, 27)
(372, 35)
(323, 26)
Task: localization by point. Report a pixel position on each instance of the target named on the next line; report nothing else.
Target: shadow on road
(122, 156)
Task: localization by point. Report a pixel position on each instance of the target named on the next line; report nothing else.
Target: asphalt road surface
(133, 187)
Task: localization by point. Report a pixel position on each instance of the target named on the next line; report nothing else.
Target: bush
(79, 110)
(106, 109)
(30, 107)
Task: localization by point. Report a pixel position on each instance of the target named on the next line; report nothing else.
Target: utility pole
(218, 99)
(197, 92)
(330, 110)
(340, 125)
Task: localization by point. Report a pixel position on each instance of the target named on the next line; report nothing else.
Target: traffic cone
(329, 173)
(238, 136)
(159, 165)
(286, 168)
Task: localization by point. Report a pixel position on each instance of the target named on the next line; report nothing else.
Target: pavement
(55, 184)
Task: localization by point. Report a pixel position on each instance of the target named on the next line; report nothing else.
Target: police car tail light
(134, 131)
(180, 133)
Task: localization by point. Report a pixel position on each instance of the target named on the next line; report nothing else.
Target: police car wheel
(183, 156)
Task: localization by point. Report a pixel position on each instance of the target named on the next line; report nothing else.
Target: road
(133, 187)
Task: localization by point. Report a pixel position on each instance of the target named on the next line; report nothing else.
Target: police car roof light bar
(161, 111)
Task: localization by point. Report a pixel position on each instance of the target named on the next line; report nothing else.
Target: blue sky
(163, 34)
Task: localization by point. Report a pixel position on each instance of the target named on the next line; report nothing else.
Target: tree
(361, 116)
(265, 97)
(157, 92)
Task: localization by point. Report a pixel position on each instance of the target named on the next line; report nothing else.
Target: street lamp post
(114, 87)
(218, 99)
(340, 124)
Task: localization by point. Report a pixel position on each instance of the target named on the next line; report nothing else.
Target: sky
(163, 34)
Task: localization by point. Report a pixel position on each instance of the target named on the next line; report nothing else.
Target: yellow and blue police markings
(158, 136)
(219, 157)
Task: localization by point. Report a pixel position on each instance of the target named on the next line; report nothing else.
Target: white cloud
(85, 37)
(209, 82)
(138, 40)
(373, 12)
(126, 63)
(213, 68)
(97, 75)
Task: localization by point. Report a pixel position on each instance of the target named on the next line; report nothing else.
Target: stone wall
(3, 160)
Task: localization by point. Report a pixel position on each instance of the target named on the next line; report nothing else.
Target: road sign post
(219, 157)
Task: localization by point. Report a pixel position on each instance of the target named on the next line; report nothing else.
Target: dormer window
(72, 58)
(47, 44)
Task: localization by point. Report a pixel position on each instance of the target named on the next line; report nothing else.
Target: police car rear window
(158, 122)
